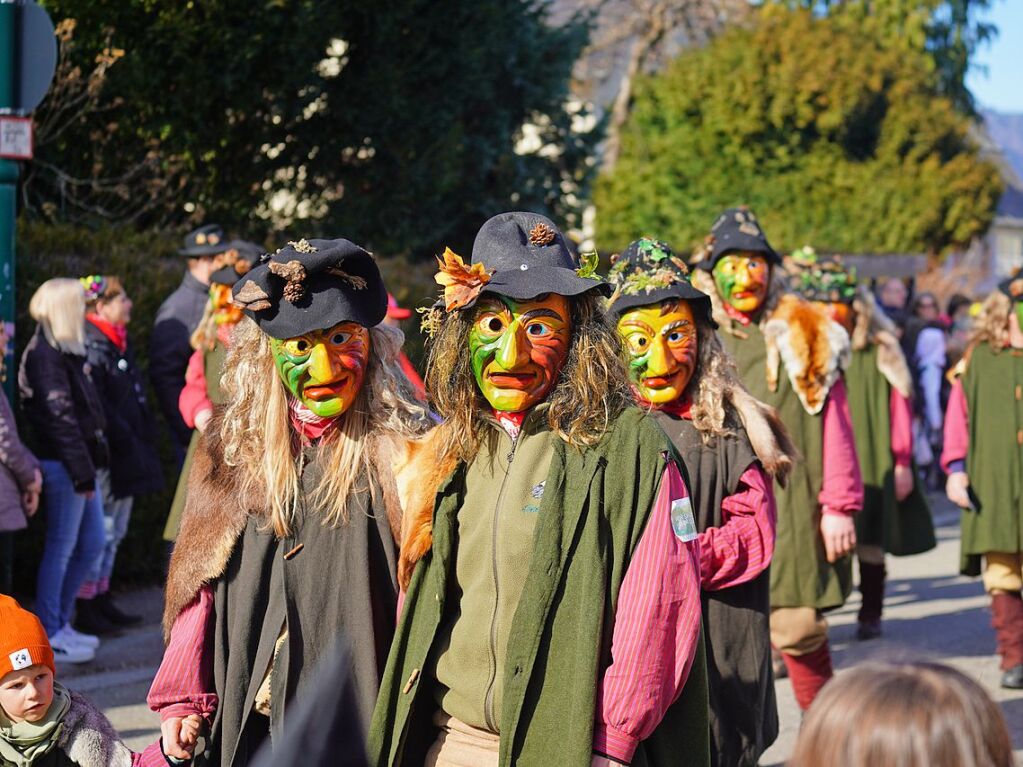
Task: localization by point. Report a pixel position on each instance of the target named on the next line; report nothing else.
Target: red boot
(1007, 620)
(809, 673)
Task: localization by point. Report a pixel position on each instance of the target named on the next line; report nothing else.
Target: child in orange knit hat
(42, 723)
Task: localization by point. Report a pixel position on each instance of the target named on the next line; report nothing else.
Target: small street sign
(16, 137)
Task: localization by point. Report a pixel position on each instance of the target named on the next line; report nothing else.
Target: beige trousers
(797, 630)
(461, 745)
(1003, 572)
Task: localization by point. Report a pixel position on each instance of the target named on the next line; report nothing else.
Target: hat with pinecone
(737, 230)
(648, 272)
(521, 256)
(311, 285)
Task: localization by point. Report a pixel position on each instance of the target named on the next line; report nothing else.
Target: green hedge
(150, 269)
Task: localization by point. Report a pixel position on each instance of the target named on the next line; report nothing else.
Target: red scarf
(117, 334)
(741, 317)
(680, 408)
(309, 426)
(510, 422)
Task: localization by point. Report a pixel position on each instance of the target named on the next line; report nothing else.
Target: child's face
(26, 695)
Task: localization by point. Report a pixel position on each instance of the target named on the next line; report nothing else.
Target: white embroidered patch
(20, 659)
(682, 521)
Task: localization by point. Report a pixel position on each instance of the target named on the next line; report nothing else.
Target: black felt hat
(737, 229)
(207, 240)
(1013, 286)
(648, 272)
(243, 256)
(310, 285)
(522, 256)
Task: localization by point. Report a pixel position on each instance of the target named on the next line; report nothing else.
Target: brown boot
(872, 578)
(1007, 620)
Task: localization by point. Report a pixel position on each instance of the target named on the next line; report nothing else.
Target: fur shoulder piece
(213, 518)
(813, 347)
(420, 466)
(767, 434)
(89, 738)
(891, 363)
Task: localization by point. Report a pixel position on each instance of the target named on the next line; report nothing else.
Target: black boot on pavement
(89, 619)
(872, 578)
(114, 614)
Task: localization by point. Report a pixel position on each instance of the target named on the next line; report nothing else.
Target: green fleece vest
(594, 509)
(503, 491)
(900, 528)
(993, 385)
(801, 575)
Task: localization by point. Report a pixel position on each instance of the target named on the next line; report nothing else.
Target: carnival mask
(224, 311)
(517, 348)
(662, 346)
(742, 280)
(324, 369)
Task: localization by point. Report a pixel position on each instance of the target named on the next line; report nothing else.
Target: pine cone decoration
(542, 234)
(293, 292)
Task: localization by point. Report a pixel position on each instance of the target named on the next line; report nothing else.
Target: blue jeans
(116, 514)
(74, 540)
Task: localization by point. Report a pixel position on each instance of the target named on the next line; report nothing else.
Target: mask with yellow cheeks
(742, 280)
(661, 340)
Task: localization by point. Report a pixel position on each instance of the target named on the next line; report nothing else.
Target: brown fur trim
(767, 434)
(873, 326)
(891, 363)
(426, 463)
(813, 347)
(211, 522)
(88, 738)
(384, 451)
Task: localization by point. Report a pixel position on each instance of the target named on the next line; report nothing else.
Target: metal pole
(8, 186)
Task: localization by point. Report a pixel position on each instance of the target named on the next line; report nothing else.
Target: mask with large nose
(324, 369)
(742, 280)
(518, 348)
(662, 343)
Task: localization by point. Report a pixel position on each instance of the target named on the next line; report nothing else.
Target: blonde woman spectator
(66, 418)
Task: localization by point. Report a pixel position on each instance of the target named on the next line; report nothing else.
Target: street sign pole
(8, 186)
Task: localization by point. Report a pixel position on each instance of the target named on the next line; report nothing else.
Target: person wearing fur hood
(288, 537)
(552, 611)
(732, 445)
(983, 457)
(790, 355)
(896, 516)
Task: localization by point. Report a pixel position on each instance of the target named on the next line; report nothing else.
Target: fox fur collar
(873, 327)
(215, 515)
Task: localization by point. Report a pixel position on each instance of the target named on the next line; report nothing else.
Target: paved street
(930, 613)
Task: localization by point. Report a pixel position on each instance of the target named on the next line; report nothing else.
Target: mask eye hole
(537, 329)
(301, 346)
(338, 338)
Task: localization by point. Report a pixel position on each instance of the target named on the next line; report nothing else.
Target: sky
(1001, 88)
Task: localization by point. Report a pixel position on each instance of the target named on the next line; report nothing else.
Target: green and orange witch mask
(740, 259)
(316, 300)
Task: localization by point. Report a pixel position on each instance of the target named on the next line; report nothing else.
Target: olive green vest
(801, 575)
(594, 509)
(900, 528)
(993, 385)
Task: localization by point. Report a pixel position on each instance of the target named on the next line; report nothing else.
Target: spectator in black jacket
(131, 434)
(66, 417)
(176, 319)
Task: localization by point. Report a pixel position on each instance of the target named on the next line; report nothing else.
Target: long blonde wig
(58, 305)
(258, 438)
(591, 390)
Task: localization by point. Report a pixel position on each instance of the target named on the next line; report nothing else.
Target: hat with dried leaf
(238, 259)
(736, 231)
(820, 279)
(519, 255)
(311, 285)
(648, 272)
(207, 240)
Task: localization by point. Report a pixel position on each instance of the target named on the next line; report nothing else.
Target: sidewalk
(930, 613)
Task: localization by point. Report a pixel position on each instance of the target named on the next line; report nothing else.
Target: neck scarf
(680, 408)
(22, 743)
(743, 318)
(510, 422)
(306, 423)
(118, 334)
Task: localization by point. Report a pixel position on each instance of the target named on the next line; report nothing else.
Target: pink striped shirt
(957, 430)
(900, 411)
(151, 757)
(657, 625)
(842, 485)
(742, 548)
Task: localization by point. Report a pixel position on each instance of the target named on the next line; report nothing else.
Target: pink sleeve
(151, 757)
(900, 413)
(842, 485)
(957, 428)
(193, 398)
(184, 681)
(656, 629)
(742, 547)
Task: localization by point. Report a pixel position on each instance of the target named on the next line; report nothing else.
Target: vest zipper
(488, 700)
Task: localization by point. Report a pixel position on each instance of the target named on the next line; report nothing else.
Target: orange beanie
(23, 641)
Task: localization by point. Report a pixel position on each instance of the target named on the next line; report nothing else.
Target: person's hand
(603, 761)
(957, 488)
(36, 485)
(202, 419)
(30, 502)
(839, 534)
(180, 735)
(903, 482)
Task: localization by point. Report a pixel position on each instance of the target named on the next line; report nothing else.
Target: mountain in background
(1006, 131)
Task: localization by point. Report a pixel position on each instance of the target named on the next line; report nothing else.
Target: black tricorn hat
(1013, 286)
(522, 256)
(648, 272)
(207, 240)
(310, 285)
(737, 229)
(243, 255)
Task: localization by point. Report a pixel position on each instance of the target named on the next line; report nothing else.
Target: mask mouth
(330, 390)
(516, 381)
(660, 382)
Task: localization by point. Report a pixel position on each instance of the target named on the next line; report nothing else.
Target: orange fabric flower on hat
(462, 282)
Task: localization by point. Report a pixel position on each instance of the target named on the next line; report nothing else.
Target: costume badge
(20, 659)
(682, 521)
